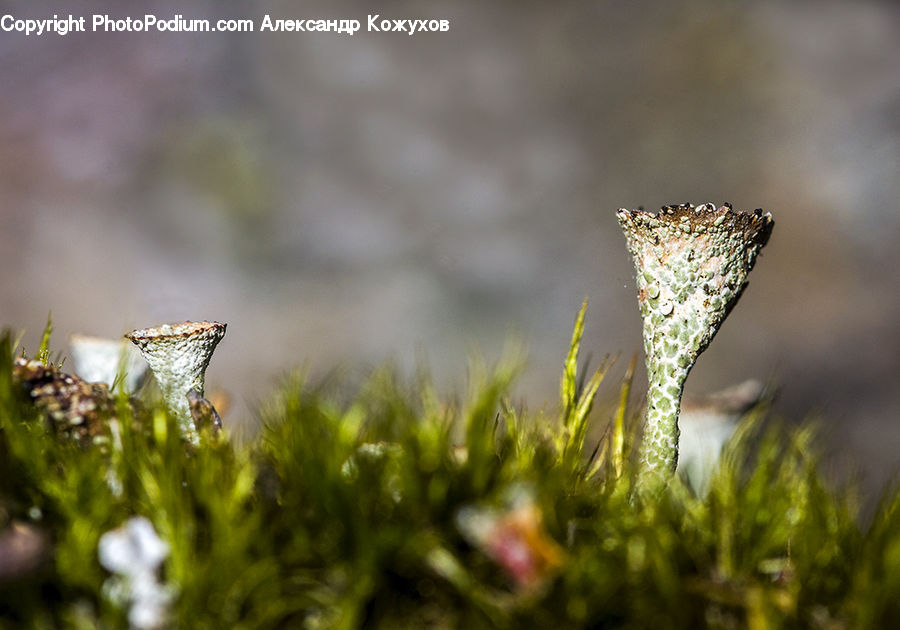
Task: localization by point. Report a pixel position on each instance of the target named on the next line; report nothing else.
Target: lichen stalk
(691, 265)
(178, 355)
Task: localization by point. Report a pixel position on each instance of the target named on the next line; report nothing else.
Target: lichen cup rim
(183, 329)
(756, 224)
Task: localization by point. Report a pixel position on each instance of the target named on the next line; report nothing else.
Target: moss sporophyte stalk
(691, 264)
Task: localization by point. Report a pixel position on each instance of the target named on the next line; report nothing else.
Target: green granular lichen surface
(692, 265)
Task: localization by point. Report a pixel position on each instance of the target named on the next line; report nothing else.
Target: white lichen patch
(100, 360)
(707, 424)
(692, 265)
(179, 354)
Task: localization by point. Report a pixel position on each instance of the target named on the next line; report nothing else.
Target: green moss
(345, 513)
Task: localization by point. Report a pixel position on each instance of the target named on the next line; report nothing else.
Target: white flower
(133, 547)
(134, 553)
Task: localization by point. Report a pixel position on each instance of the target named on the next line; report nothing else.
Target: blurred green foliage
(391, 507)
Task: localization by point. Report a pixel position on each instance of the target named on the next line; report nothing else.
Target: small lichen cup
(692, 265)
(179, 354)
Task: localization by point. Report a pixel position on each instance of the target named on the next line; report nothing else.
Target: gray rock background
(347, 200)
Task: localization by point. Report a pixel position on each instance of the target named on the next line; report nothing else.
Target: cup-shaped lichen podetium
(179, 354)
(691, 265)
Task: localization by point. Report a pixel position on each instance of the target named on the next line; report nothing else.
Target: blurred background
(342, 201)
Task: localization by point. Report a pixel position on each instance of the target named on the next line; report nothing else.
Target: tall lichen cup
(179, 354)
(692, 265)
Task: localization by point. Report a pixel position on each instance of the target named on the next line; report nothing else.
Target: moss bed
(385, 505)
